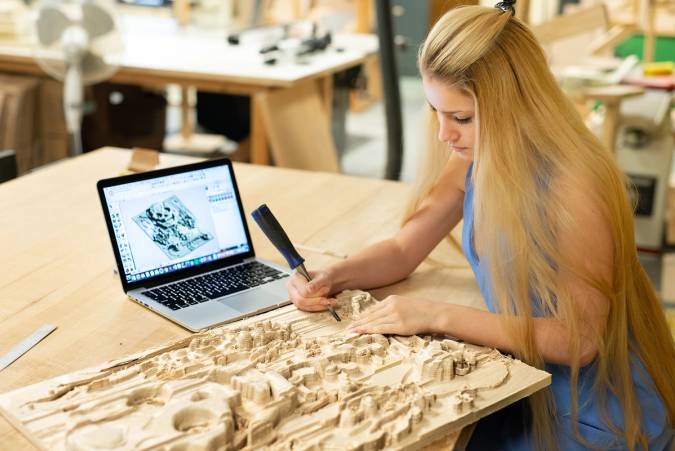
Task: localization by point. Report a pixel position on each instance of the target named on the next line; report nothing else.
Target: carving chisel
(276, 234)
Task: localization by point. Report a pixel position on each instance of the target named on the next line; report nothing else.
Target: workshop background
(615, 59)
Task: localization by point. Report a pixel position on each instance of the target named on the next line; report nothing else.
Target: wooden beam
(523, 11)
(185, 112)
(613, 37)
(650, 40)
(259, 151)
(364, 16)
(326, 91)
(582, 21)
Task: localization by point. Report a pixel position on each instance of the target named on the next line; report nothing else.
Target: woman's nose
(446, 133)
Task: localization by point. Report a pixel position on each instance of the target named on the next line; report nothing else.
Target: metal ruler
(25, 346)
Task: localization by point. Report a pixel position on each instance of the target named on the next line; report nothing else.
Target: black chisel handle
(276, 234)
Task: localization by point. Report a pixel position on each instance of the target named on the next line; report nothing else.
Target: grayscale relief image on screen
(172, 227)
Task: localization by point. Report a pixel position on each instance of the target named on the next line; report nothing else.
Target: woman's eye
(463, 120)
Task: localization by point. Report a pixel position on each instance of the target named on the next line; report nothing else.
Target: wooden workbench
(158, 53)
(57, 264)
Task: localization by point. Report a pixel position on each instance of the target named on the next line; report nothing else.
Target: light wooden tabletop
(57, 264)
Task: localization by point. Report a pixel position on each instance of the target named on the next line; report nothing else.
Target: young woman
(548, 231)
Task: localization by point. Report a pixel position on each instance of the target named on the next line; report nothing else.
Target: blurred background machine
(644, 149)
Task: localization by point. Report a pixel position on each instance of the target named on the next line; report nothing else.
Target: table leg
(464, 437)
(611, 125)
(295, 123)
(326, 90)
(259, 151)
(185, 111)
(649, 13)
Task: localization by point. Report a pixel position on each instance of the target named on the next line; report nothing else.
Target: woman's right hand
(311, 296)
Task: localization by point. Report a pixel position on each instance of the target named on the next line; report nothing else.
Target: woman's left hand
(398, 315)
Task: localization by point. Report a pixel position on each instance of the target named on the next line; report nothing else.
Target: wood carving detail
(274, 384)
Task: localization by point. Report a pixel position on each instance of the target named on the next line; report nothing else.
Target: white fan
(75, 41)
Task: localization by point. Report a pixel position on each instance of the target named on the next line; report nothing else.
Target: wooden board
(286, 379)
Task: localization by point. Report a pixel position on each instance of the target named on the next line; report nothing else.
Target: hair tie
(507, 6)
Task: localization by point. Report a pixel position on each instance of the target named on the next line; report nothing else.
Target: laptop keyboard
(214, 285)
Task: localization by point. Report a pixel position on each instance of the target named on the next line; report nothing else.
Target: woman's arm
(393, 259)
(586, 242)
(487, 329)
(404, 316)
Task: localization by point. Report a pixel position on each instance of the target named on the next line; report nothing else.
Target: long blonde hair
(529, 135)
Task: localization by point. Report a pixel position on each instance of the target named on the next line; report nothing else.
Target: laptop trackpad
(252, 301)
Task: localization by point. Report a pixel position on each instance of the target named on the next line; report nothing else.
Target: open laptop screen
(174, 222)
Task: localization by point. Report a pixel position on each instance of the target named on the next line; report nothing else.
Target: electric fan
(77, 42)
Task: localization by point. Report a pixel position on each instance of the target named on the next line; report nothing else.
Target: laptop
(183, 247)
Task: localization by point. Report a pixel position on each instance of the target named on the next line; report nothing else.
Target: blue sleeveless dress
(589, 422)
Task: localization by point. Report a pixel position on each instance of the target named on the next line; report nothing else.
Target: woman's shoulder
(454, 173)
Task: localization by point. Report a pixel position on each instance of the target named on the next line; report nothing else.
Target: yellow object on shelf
(660, 68)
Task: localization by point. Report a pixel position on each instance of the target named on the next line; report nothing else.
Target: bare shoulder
(454, 173)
